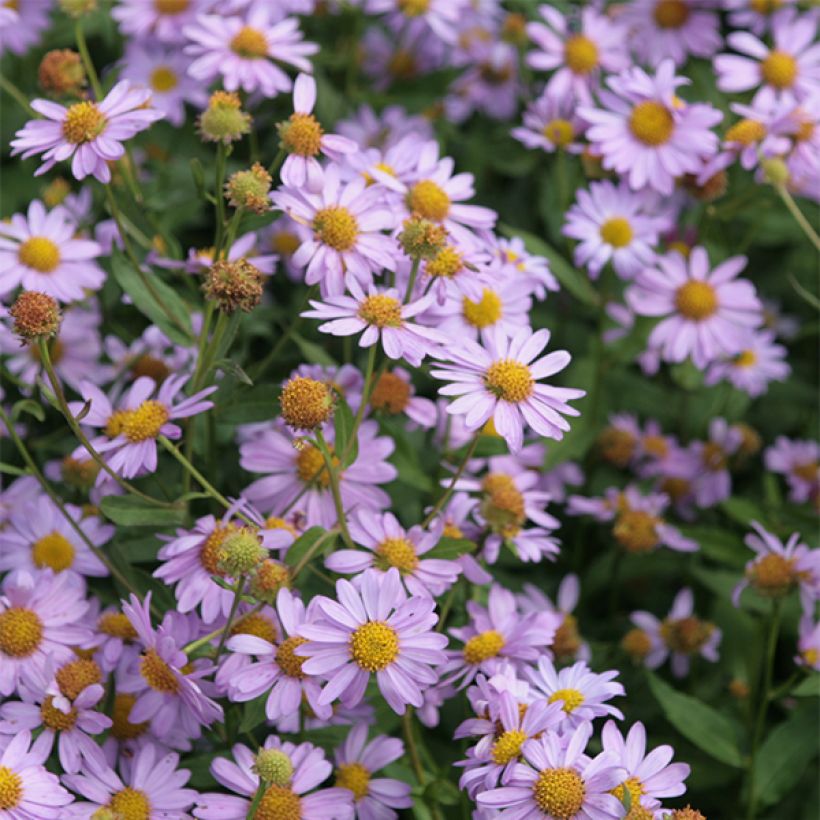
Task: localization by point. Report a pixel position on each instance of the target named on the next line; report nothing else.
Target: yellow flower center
(402, 64)
(671, 13)
(651, 123)
(288, 661)
(503, 505)
(117, 625)
(116, 422)
(746, 132)
(286, 243)
(483, 646)
(636, 643)
(636, 531)
(130, 804)
(256, 624)
(484, 313)
(270, 576)
(163, 79)
(559, 793)
(21, 632)
(452, 531)
(12, 4)
(75, 676)
(807, 472)
(559, 132)
(391, 393)
(210, 553)
(353, 776)
(713, 456)
(617, 232)
(121, 726)
(567, 640)
(696, 300)
(765, 6)
(374, 646)
(306, 403)
(249, 43)
(617, 446)
(54, 719)
(508, 746)
(398, 553)
(429, 200)
(509, 380)
(381, 310)
(810, 656)
(413, 8)
(337, 227)
(631, 785)
(773, 575)
(686, 635)
(39, 253)
(171, 6)
(83, 122)
(152, 367)
(53, 550)
(655, 445)
(279, 803)
(571, 698)
(580, 54)
(681, 247)
(745, 358)
(445, 264)
(11, 789)
(301, 135)
(311, 468)
(145, 421)
(779, 69)
(157, 674)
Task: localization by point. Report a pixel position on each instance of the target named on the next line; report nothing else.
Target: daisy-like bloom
(649, 776)
(398, 57)
(808, 644)
(303, 138)
(672, 28)
(245, 51)
(761, 361)
(163, 70)
(382, 316)
(357, 761)
(799, 462)
(387, 544)
(90, 132)
(754, 15)
(501, 382)
(531, 271)
(40, 618)
(644, 132)
(789, 69)
(618, 441)
(40, 536)
(245, 248)
(161, 20)
(576, 54)
(383, 130)
(114, 636)
(583, 694)
(22, 24)
(559, 782)
(377, 629)
(167, 687)
(394, 394)
(456, 272)
(300, 475)
(614, 223)
(551, 124)
(277, 669)
(131, 431)
(714, 483)
(705, 313)
(29, 790)
(441, 16)
(39, 252)
(346, 221)
(296, 771)
(681, 634)
(151, 786)
(779, 568)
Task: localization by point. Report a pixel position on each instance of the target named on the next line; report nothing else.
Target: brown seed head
(35, 315)
(234, 285)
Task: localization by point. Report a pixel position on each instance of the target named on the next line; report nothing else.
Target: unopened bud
(306, 403)
(79, 474)
(35, 315)
(55, 192)
(268, 578)
(234, 285)
(637, 644)
(514, 29)
(61, 73)
(249, 189)
(78, 8)
(739, 689)
(241, 553)
(775, 170)
(224, 120)
(422, 239)
(273, 766)
(687, 813)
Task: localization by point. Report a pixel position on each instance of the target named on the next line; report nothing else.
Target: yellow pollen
(452, 531)
(636, 531)
(256, 624)
(656, 446)
(402, 64)
(53, 550)
(374, 646)
(580, 54)
(336, 227)
(559, 793)
(805, 131)
(484, 313)
(310, 466)
(157, 674)
(164, 79)
(696, 300)
(39, 253)
(11, 789)
(503, 505)
(509, 380)
(381, 310)
(21, 632)
(633, 786)
(301, 135)
(636, 643)
(117, 625)
(671, 13)
(746, 358)
(779, 69)
(353, 776)
(116, 422)
(567, 640)
(273, 522)
(249, 43)
(12, 4)
(686, 635)
(306, 403)
(398, 553)
(83, 122)
(413, 8)
(286, 243)
(171, 6)
(571, 698)
(54, 719)
(765, 6)
(429, 200)
(713, 457)
(279, 803)
(150, 366)
(559, 131)
(746, 132)
(681, 247)
(508, 746)
(651, 123)
(121, 726)
(806, 472)
(810, 656)
(445, 264)
(269, 578)
(130, 804)
(617, 232)
(391, 393)
(773, 575)
(290, 663)
(483, 646)
(75, 676)
(617, 446)
(145, 421)
(211, 551)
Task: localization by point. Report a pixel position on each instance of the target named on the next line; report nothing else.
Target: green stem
(367, 389)
(237, 597)
(315, 547)
(233, 229)
(200, 642)
(257, 799)
(412, 749)
(273, 168)
(798, 215)
(17, 95)
(439, 505)
(334, 488)
(219, 182)
(82, 47)
(411, 282)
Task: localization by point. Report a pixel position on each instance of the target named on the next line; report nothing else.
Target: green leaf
(708, 729)
(314, 353)
(253, 714)
(231, 368)
(810, 687)
(29, 406)
(246, 406)
(10, 469)
(133, 512)
(718, 544)
(451, 548)
(299, 548)
(139, 550)
(742, 510)
(345, 445)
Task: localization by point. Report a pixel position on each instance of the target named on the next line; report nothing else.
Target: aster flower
(114, 636)
(645, 133)
(357, 761)
(384, 129)
(162, 20)
(808, 644)
(760, 362)
(530, 271)
(90, 132)
(394, 393)
(442, 17)
(714, 482)
(754, 15)
(390, 57)
(373, 629)
(39, 252)
(799, 462)
(245, 51)
(551, 124)
(22, 25)
(707, 313)
(500, 381)
(246, 247)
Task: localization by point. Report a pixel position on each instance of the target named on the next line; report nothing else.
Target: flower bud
(273, 766)
(268, 578)
(514, 29)
(234, 285)
(738, 689)
(55, 192)
(78, 473)
(249, 189)
(224, 120)
(775, 170)
(241, 553)
(422, 239)
(306, 403)
(35, 315)
(637, 644)
(78, 8)
(687, 813)
(61, 73)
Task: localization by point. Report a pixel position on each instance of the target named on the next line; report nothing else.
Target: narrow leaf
(132, 512)
(346, 447)
(299, 548)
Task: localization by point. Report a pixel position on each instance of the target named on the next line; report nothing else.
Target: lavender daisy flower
(531, 271)
(39, 252)
(706, 313)
(649, 776)
(714, 482)
(297, 770)
(645, 133)
(246, 247)
(760, 362)
(22, 25)
(152, 786)
(373, 629)
(245, 51)
(394, 394)
(754, 15)
(114, 636)
(560, 782)
(383, 130)
(500, 381)
(162, 20)
(90, 132)
(799, 462)
(387, 544)
(808, 644)
(357, 761)
(389, 57)
(441, 16)
(551, 124)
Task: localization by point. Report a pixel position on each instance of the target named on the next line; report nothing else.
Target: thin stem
(273, 168)
(257, 799)
(315, 547)
(237, 597)
(447, 606)
(233, 229)
(799, 217)
(219, 182)
(439, 505)
(412, 749)
(17, 95)
(334, 488)
(411, 282)
(82, 47)
(200, 642)
(367, 389)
